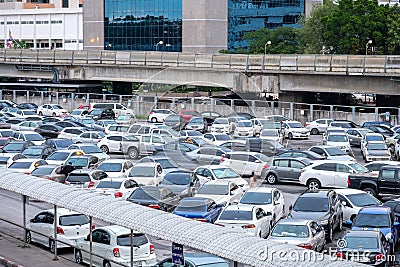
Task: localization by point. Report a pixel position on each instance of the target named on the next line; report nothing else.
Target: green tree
(393, 34)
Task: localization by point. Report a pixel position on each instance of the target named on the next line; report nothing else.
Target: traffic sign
(177, 254)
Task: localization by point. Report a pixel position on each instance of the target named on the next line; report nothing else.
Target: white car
(32, 136)
(222, 192)
(332, 153)
(25, 126)
(271, 200)
(371, 137)
(113, 129)
(51, 110)
(89, 137)
(127, 119)
(25, 165)
(244, 128)
(330, 130)
(159, 115)
(329, 173)
(71, 132)
(116, 167)
(148, 173)
(221, 125)
(294, 129)
(318, 126)
(376, 150)
(60, 157)
(246, 163)
(353, 200)
(258, 124)
(339, 140)
(217, 138)
(90, 149)
(253, 221)
(70, 226)
(120, 188)
(272, 135)
(79, 113)
(216, 172)
(113, 243)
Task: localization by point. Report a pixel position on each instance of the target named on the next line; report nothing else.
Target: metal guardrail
(388, 65)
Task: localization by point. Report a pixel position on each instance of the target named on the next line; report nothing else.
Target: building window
(65, 3)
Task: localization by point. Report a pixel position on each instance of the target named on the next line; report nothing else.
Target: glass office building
(250, 15)
(145, 25)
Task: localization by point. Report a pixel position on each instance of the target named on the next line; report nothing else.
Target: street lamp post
(265, 47)
(159, 43)
(366, 46)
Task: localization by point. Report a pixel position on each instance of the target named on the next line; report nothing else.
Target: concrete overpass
(283, 74)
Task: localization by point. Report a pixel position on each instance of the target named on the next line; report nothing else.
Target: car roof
(26, 160)
(85, 171)
(115, 161)
(261, 189)
(218, 182)
(349, 191)
(63, 212)
(146, 164)
(240, 207)
(292, 221)
(196, 199)
(375, 210)
(316, 193)
(213, 167)
(362, 233)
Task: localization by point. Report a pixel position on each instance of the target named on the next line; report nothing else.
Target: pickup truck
(386, 182)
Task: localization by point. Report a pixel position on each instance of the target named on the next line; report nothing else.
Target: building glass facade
(250, 15)
(145, 25)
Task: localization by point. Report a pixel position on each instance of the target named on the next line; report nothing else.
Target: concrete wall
(204, 26)
(93, 25)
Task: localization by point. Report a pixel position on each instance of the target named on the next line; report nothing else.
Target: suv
(323, 206)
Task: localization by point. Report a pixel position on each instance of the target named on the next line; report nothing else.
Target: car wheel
(271, 178)
(153, 120)
(28, 237)
(313, 184)
(133, 153)
(54, 114)
(106, 264)
(78, 256)
(105, 149)
(290, 136)
(52, 245)
(314, 131)
(370, 191)
(329, 238)
(40, 113)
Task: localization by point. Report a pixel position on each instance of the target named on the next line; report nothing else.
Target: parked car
(58, 143)
(343, 124)
(304, 233)
(222, 192)
(294, 129)
(60, 157)
(6, 159)
(374, 137)
(159, 115)
(196, 260)
(197, 124)
(284, 169)
(215, 172)
(246, 163)
(375, 166)
(78, 113)
(187, 114)
(25, 126)
(301, 154)
(31, 136)
(155, 197)
(120, 188)
(244, 128)
(51, 110)
(356, 135)
(207, 155)
(176, 122)
(90, 149)
(375, 150)
(147, 173)
(320, 205)
(318, 126)
(38, 152)
(115, 167)
(253, 221)
(83, 161)
(200, 209)
(112, 129)
(221, 125)
(266, 147)
(126, 119)
(332, 153)
(85, 178)
(113, 243)
(49, 172)
(16, 146)
(25, 165)
(271, 135)
(182, 183)
(48, 130)
(339, 140)
(70, 226)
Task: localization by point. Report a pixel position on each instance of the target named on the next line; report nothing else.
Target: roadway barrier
(339, 64)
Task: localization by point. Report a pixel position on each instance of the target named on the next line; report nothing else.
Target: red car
(187, 114)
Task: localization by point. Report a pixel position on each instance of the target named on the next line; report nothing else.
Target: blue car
(201, 209)
(377, 218)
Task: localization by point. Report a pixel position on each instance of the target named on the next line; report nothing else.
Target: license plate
(360, 259)
(137, 263)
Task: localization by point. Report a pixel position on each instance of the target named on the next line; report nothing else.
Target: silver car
(300, 232)
(284, 169)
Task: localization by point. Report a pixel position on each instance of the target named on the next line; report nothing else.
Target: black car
(394, 205)
(52, 120)
(48, 130)
(16, 147)
(266, 147)
(101, 114)
(64, 124)
(38, 152)
(29, 106)
(301, 154)
(58, 143)
(175, 122)
(155, 197)
(321, 205)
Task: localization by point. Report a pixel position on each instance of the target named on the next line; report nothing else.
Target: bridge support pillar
(353, 113)
(311, 113)
(331, 112)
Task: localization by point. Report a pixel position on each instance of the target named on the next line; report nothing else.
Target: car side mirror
(290, 207)
(344, 203)
(395, 224)
(349, 222)
(32, 220)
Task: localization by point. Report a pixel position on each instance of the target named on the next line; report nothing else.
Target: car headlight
(325, 222)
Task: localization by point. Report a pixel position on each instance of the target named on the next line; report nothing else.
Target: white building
(42, 24)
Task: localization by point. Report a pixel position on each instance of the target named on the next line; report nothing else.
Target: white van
(118, 108)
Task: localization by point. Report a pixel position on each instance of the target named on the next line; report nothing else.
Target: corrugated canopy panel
(210, 238)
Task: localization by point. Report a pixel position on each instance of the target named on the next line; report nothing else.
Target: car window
(326, 167)
(297, 164)
(342, 168)
(388, 174)
(281, 163)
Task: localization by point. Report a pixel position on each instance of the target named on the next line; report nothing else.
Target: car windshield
(213, 189)
(244, 124)
(335, 151)
(196, 120)
(287, 230)
(221, 121)
(337, 138)
(75, 219)
(20, 165)
(6, 133)
(256, 198)
(79, 162)
(191, 206)
(87, 121)
(13, 147)
(76, 112)
(63, 143)
(236, 215)
(270, 132)
(310, 204)
(364, 132)
(32, 151)
(193, 133)
(28, 112)
(177, 178)
(372, 220)
(377, 146)
(138, 240)
(78, 178)
(110, 167)
(90, 149)
(262, 157)
(42, 171)
(124, 117)
(142, 171)
(34, 137)
(174, 118)
(109, 184)
(358, 168)
(140, 193)
(165, 163)
(59, 156)
(295, 125)
(225, 173)
(363, 199)
(222, 137)
(105, 123)
(374, 138)
(271, 125)
(57, 107)
(357, 242)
